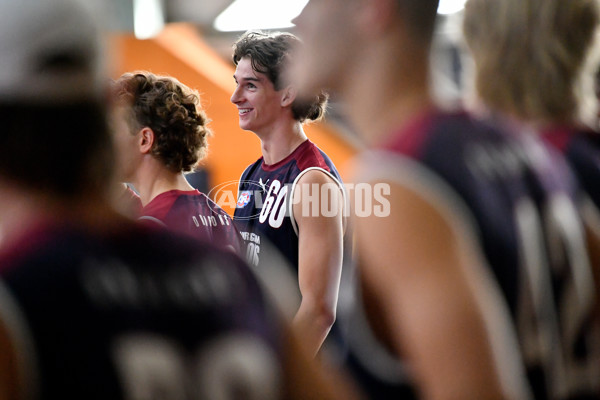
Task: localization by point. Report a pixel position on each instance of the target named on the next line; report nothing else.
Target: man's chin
(245, 127)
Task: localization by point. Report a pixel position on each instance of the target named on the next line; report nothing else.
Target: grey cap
(50, 51)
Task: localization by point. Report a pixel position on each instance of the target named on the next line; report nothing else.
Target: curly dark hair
(172, 110)
(271, 54)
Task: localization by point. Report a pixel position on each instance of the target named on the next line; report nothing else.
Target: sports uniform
(582, 150)
(193, 213)
(514, 197)
(137, 313)
(264, 209)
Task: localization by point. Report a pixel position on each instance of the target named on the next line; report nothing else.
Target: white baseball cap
(50, 52)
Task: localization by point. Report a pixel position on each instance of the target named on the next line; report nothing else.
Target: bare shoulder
(415, 217)
(415, 229)
(317, 194)
(316, 176)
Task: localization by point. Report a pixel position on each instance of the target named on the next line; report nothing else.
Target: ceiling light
(450, 6)
(148, 18)
(242, 15)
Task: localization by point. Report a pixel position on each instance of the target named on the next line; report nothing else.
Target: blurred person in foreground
(92, 305)
(441, 277)
(545, 83)
(541, 84)
(160, 133)
(292, 196)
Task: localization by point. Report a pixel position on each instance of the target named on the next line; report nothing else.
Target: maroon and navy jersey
(582, 150)
(518, 198)
(193, 213)
(264, 208)
(138, 313)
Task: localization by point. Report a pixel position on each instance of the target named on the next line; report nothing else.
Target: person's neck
(280, 143)
(390, 95)
(154, 178)
(22, 210)
(18, 213)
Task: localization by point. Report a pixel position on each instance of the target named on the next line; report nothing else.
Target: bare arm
(307, 378)
(320, 246)
(425, 278)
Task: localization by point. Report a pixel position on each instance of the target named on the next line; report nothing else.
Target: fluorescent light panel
(148, 18)
(451, 6)
(242, 15)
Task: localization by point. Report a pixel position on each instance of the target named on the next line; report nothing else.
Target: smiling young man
(292, 196)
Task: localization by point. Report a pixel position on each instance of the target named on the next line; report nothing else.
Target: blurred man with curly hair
(161, 133)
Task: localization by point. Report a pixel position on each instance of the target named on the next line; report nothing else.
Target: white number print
(235, 366)
(552, 311)
(252, 253)
(274, 206)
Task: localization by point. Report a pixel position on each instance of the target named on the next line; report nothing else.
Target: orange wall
(180, 52)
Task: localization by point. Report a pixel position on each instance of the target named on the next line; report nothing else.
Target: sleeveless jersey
(582, 150)
(519, 198)
(193, 213)
(139, 313)
(264, 207)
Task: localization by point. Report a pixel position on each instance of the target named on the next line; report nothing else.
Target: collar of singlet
(558, 136)
(291, 156)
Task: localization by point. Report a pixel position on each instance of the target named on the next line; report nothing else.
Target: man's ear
(289, 95)
(146, 140)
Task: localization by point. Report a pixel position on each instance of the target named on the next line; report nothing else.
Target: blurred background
(191, 40)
